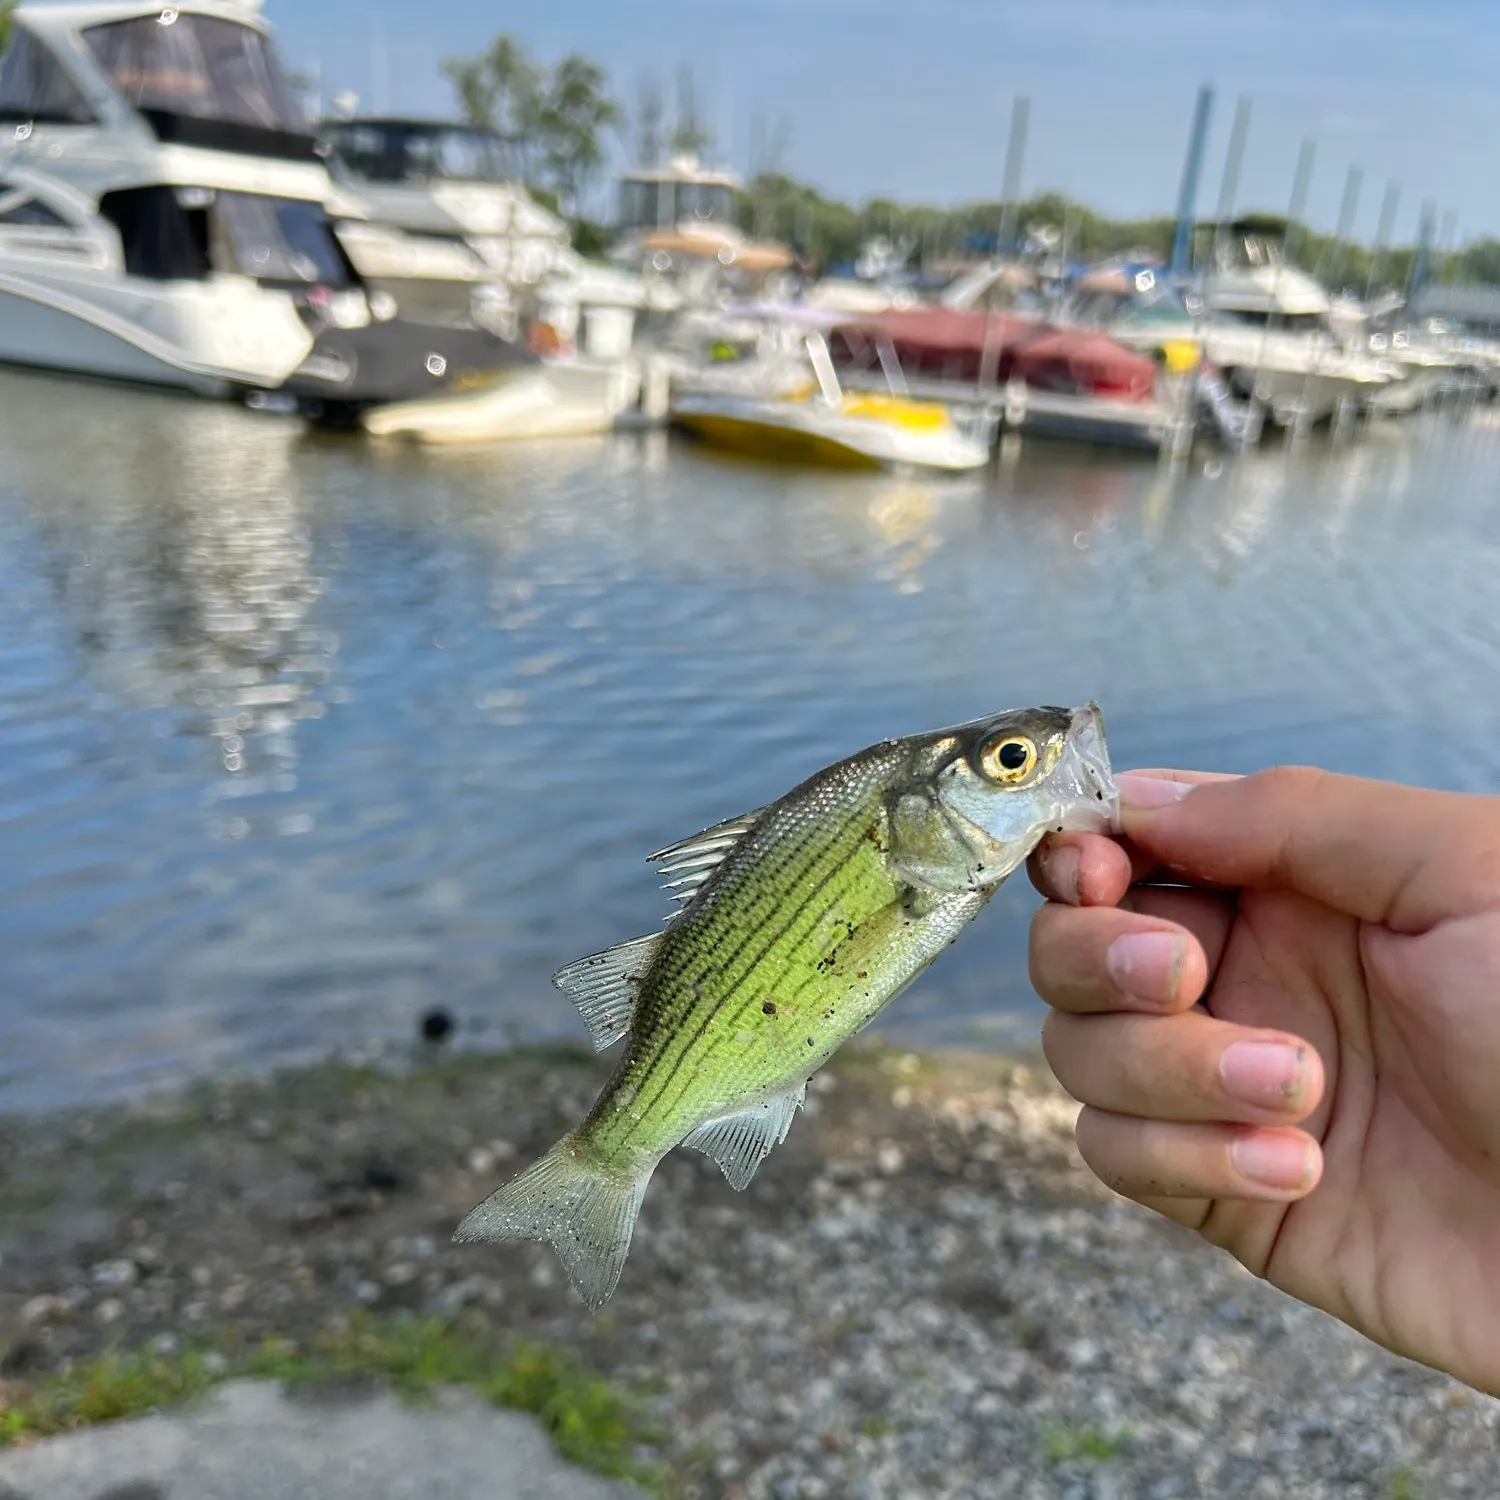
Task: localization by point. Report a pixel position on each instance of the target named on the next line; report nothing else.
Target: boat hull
(550, 400)
(868, 434)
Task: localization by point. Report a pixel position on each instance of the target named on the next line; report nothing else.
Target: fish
(798, 923)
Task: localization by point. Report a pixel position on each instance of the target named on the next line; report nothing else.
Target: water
(298, 737)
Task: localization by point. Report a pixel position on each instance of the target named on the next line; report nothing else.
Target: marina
(163, 221)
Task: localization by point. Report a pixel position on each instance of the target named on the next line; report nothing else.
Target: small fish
(802, 921)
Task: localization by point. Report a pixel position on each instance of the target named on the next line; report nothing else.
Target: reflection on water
(299, 736)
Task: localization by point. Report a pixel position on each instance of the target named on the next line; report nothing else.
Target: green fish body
(803, 921)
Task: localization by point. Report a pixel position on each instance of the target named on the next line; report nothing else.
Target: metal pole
(1448, 241)
(1348, 207)
(1421, 261)
(1015, 153)
(1300, 185)
(1187, 197)
(1233, 160)
(1388, 207)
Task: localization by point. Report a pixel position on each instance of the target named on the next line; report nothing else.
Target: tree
(574, 111)
(551, 121)
(7, 7)
(501, 91)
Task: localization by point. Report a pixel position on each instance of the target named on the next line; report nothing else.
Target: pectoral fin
(603, 986)
(741, 1142)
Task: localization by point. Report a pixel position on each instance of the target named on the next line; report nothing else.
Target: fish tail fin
(584, 1208)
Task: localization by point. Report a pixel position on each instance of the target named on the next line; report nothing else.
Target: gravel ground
(923, 1294)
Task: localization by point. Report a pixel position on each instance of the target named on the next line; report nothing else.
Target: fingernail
(1146, 965)
(1150, 791)
(1061, 864)
(1274, 1161)
(1270, 1074)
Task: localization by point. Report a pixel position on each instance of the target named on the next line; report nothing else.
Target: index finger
(1093, 869)
(1381, 851)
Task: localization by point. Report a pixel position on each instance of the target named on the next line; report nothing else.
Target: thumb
(1377, 850)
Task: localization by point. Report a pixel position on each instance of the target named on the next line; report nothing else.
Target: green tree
(552, 121)
(500, 90)
(7, 7)
(575, 112)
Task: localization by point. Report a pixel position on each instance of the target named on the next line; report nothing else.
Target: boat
(1034, 374)
(677, 224)
(823, 424)
(569, 397)
(1268, 330)
(163, 220)
(432, 213)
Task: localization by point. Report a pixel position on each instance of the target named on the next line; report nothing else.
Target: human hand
(1296, 1051)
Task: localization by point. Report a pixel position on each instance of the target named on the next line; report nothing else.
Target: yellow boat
(822, 424)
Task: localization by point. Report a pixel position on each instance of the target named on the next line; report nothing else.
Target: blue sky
(912, 97)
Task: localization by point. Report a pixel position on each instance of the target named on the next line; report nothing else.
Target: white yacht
(163, 219)
(1268, 331)
(678, 224)
(450, 188)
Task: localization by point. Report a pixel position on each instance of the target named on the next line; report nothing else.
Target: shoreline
(923, 1288)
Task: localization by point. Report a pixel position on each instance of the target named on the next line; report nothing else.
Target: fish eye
(1009, 759)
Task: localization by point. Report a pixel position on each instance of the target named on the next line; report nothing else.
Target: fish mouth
(1087, 799)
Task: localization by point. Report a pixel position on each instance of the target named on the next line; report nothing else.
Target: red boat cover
(943, 343)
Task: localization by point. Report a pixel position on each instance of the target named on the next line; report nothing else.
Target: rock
(43, 1309)
(436, 1024)
(115, 1275)
(110, 1310)
(480, 1161)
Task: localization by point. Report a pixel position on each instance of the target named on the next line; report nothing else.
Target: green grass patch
(1064, 1445)
(593, 1424)
(101, 1390)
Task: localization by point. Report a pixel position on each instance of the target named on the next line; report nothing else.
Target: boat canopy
(420, 151)
(35, 88)
(201, 66)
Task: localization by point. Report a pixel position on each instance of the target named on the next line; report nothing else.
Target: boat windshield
(199, 66)
(394, 151)
(664, 203)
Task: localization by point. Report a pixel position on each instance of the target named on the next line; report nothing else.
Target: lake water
(299, 736)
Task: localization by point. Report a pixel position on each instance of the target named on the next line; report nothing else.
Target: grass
(101, 1390)
(593, 1425)
(1070, 1444)
(1403, 1486)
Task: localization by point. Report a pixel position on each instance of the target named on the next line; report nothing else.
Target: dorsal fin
(691, 861)
(741, 1142)
(603, 986)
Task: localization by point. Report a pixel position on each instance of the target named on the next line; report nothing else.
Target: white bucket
(607, 331)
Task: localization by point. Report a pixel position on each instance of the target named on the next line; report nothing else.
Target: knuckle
(1293, 783)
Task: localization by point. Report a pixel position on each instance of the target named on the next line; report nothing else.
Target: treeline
(558, 122)
(776, 206)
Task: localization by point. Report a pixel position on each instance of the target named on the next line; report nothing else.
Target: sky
(912, 98)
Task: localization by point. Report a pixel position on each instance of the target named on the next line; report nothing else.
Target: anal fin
(603, 986)
(742, 1141)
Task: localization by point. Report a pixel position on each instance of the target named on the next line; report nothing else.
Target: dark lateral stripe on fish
(712, 1006)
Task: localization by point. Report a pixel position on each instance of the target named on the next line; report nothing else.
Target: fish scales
(802, 923)
(792, 888)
